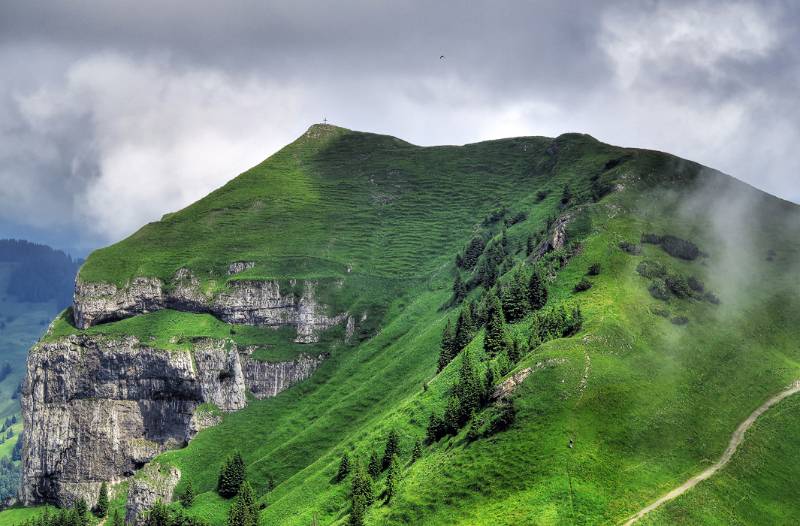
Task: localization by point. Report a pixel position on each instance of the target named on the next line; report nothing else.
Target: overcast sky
(114, 113)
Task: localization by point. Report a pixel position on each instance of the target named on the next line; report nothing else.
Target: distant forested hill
(38, 273)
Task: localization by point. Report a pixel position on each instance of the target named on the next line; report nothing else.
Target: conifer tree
(344, 468)
(117, 519)
(489, 379)
(464, 331)
(361, 486)
(459, 290)
(81, 509)
(231, 476)
(515, 297)
(357, 511)
(537, 292)
(187, 497)
(451, 421)
(416, 453)
(392, 448)
(514, 352)
(374, 468)
(158, 515)
(101, 509)
(392, 479)
(469, 389)
(494, 342)
(447, 348)
(435, 429)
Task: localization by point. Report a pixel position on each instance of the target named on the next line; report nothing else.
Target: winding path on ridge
(736, 439)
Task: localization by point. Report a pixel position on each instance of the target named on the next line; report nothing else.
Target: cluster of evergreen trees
(161, 515)
(232, 483)
(77, 515)
(365, 475)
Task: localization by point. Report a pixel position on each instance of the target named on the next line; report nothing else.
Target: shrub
(652, 239)
(594, 269)
(519, 217)
(630, 248)
(679, 248)
(651, 269)
(680, 320)
(711, 298)
(658, 289)
(695, 284)
(582, 285)
(502, 417)
(677, 285)
(540, 195)
(660, 311)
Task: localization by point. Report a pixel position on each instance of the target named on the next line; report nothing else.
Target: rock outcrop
(96, 409)
(248, 302)
(152, 484)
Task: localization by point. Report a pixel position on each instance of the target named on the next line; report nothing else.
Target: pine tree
(392, 479)
(392, 448)
(468, 390)
(537, 292)
(231, 476)
(357, 511)
(374, 468)
(361, 485)
(514, 352)
(447, 348)
(515, 297)
(101, 509)
(247, 503)
(435, 429)
(187, 497)
(344, 468)
(494, 342)
(81, 509)
(459, 290)
(451, 421)
(464, 331)
(489, 379)
(566, 195)
(158, 515)
(416, 453)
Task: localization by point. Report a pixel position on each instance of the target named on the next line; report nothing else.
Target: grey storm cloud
(113, 113)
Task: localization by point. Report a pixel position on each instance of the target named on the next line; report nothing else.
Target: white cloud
(703, 36)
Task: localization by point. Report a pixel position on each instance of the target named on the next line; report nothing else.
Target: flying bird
(441, 57)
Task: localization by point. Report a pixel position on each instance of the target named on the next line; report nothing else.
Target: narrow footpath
(736, 439)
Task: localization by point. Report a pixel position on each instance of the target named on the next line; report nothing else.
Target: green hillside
(690, 320)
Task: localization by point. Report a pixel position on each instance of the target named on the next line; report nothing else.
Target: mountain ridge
(646, 329)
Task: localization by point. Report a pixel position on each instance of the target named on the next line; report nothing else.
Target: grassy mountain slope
(645, 398)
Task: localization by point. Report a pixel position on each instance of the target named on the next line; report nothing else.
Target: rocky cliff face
(96, 409)
(247, 302)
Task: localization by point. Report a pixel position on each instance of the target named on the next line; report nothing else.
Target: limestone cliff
(249, 302)
(96, 409)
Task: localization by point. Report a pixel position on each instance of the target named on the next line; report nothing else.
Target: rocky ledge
(248, 302)
(97, 409)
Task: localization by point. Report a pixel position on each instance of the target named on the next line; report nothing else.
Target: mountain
(36, 282)
(603, 318)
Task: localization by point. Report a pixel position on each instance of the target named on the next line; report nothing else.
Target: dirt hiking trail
(736, 439)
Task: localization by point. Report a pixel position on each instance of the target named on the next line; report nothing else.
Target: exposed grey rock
(510, 384)
(97, 409)
(247, 301)
(240, 266)
(265, 379)
(152, 484)
(557, 238)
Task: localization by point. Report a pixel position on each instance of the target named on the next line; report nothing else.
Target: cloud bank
(112, 115)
